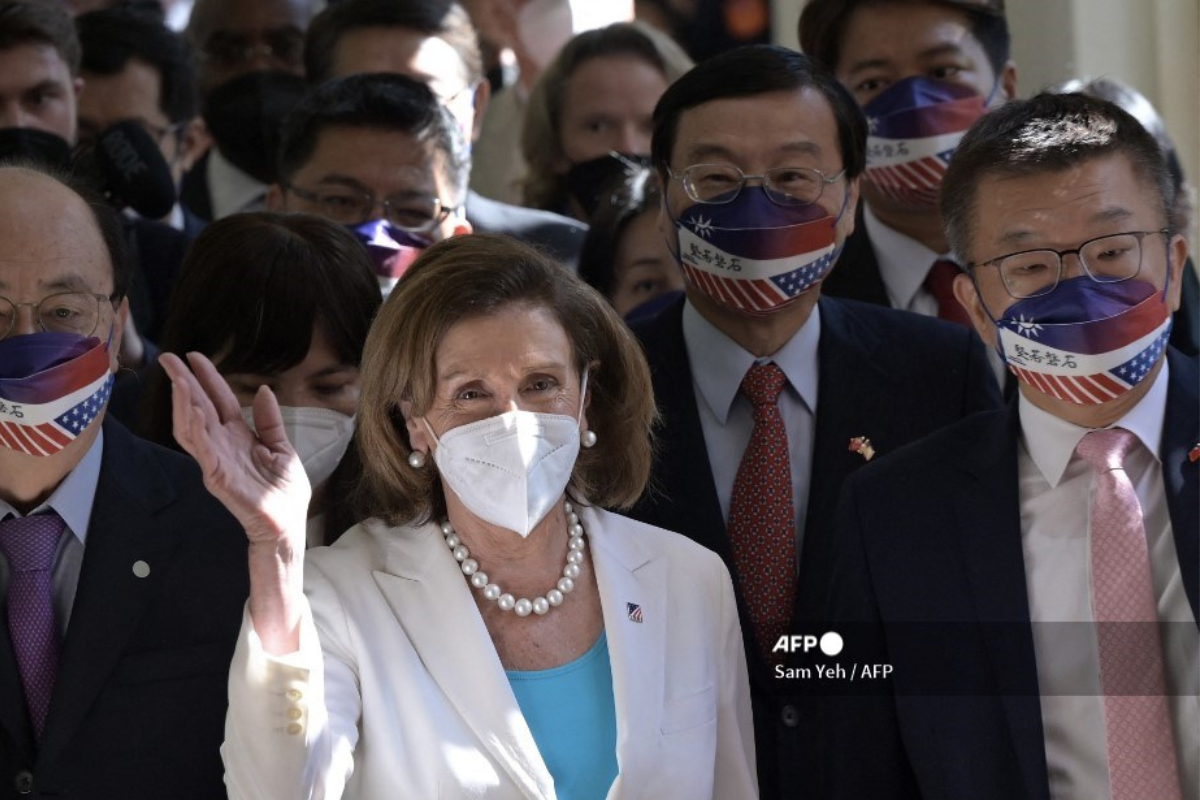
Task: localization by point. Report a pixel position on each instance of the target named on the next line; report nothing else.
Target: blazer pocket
(179, 663)
(689, 711)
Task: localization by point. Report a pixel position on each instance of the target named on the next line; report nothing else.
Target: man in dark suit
(943, 50)
(434, 42)
(760, 151)
(1030, 574)
(115, 649)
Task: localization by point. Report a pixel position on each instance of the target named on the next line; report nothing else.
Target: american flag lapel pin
(635, 612)
(862, 446)
(1194, 453)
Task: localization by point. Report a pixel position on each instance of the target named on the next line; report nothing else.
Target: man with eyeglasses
(1031, 574)
(771, 394)
(122, 583)
(379, 154)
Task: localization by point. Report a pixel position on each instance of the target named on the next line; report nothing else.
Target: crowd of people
(750, 424)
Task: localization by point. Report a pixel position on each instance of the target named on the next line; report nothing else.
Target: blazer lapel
(1181, 475)
(420, 577)
(110, 598)
(627, 574)
(13, 717)
(988, 507)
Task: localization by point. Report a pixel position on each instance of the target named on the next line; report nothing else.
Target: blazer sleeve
(292, 723)
(735, 772)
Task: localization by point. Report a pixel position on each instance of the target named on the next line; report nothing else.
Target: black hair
(750, 71)
(440, 19)
(624, 198)
(40, 22)
(383, 102)
(110, 37)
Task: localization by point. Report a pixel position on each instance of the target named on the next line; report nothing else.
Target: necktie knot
(29, 543)
(763, 384)
(1106, 449)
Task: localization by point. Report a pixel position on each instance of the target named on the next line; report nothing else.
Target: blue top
(571, 712)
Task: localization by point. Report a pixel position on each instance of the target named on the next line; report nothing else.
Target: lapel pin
(141, 569)
(862, 446)
(1194, 453)
(635, 612)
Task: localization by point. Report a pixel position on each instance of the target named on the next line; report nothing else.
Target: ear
(1008, 81)
(483, 96)
(967, 295)
(275, 200)
(850, 213)
(1177, 250)
(194, 143)
(418, 437)
(77, 87)
(461, 226)
(120, 320)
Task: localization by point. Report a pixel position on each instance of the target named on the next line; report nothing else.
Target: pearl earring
(416, 459)
(588, 439)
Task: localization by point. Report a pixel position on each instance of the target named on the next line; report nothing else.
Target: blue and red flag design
(44, 412)
(914, 129)
(634, 611)
(1086, 362)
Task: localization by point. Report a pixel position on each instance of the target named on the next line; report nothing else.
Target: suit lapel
(857, 274)
(1181, 475)
(110, 598)
(420, 577)
(14, 719)
(626, 573)
(987, 504)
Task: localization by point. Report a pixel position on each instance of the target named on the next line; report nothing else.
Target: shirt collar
(903, 262)
(1051, 441)
(74, 497)
(719, 364)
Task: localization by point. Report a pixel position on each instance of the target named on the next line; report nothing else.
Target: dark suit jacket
(889, 375)
(561, 237)
(858, 278)
(139, 706)
(930, 578)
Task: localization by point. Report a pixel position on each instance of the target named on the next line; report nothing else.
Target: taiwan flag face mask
(915, 125)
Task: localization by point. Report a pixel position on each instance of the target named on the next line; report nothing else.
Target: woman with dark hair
(491, 631)
(589, 114)
(283, 301)
(625, 256)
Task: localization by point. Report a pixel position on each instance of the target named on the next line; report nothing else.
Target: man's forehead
(240, 16)
(799, 120)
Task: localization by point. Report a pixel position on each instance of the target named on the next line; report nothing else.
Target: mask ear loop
(582, 397)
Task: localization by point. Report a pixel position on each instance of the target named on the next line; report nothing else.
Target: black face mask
(589, 182)
(245, 117)
(37, 146)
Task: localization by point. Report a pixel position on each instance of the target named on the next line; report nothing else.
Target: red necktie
(1141, 750)
(761, 516)
(940, 283)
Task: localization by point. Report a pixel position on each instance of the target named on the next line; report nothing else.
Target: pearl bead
(461, 553)
(566, 585)
(540, 606)
(447, 528)
(576, 530)
(572, 519)
(452, 541)
(568, 507)
(574, 557)
(554, 597)
(523, 607)
(491, 591)
(470, 566)
(576, 543)
(479, 580)
(506, 602)
(571, 571)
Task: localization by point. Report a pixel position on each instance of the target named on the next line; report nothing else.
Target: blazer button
(790, 716)
(23, 782)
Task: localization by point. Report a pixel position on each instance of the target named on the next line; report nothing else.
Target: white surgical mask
(320, 437)
(510, 469)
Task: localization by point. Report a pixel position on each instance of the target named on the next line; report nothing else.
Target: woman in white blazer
(489, 632)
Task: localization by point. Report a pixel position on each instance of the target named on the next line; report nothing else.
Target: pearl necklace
(523, 607)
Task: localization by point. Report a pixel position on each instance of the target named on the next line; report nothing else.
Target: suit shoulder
(678, 549)
(932, 455)
(895, 321)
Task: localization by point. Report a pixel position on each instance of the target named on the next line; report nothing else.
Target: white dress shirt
(1055, 491)
(231, 190)
(726, 416)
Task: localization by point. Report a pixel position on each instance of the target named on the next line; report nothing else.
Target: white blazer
(397, 690)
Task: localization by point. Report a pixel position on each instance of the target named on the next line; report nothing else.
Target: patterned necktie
(1141, 749)
(940, 283)
(761, 516)
(29, 544)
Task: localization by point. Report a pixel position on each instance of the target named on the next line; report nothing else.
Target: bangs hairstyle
(1045, 134)
(823, 23)
(541, 141)
(472, 276)
(251, 291)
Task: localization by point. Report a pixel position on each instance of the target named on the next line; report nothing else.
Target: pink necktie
(761, 516)
(1141, 748)
(29, 544)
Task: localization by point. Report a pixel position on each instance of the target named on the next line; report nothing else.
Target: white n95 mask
(510, 469)
(320, 437)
